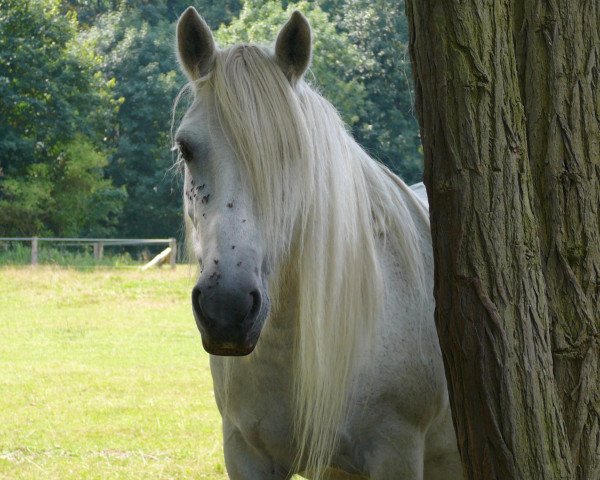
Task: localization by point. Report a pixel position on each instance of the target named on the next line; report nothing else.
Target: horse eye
(185, 151)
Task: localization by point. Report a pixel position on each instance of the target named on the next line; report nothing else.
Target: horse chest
(257, 401)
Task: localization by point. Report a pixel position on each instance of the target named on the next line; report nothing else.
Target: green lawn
(103, 376)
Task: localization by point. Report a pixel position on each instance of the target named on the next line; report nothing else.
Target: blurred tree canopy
(55, 107)
(335, 59)
(388, 129)
(87, 89)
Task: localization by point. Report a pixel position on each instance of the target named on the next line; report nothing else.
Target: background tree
(335, 58)
(93, 82)
(510, 117)
(359, 72)
(387, 126)
(136, 42)
(53, 104)
(137, 47)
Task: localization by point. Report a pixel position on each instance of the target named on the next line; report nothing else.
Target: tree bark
(559, 70)
(508, 101)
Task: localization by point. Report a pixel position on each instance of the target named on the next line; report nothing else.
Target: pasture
(102, 376)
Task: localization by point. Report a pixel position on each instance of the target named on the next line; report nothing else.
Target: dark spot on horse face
(239, 264)
(233, 247)
(205, 198)
(216, 261)
(230, 204)
(244, 220)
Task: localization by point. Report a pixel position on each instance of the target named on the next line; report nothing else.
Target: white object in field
(162, 257)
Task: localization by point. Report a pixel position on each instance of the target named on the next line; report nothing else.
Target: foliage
(85, 202)
(136, 42)
(67, 197)
(389, 128)
(215, 12)
(137, 47)
(334, 57)
(365, 76)
(86, 92)
(56, 108)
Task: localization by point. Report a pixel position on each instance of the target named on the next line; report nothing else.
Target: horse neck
(282, 326)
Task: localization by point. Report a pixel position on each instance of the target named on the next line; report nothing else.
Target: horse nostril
(223, 306)
(256, 304)
(196, 292)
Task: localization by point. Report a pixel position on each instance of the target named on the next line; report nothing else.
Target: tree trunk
(561, 94)
(508, 100)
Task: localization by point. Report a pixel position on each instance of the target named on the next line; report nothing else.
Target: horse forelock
(323, 204)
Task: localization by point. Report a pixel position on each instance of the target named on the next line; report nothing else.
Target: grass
(102, 376)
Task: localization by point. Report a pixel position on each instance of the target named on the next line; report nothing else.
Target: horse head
(228, 222)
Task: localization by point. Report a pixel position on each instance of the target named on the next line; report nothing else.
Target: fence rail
(98, 244)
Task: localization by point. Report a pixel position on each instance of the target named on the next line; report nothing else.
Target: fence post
(98, 250)
(34, 250)
(173, 245)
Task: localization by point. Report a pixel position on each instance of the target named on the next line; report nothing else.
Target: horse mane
(323, 207)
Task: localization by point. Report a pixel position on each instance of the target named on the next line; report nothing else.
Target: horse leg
(244, 462)
(398, 454)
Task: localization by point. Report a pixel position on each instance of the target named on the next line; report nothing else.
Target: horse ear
(293, 47)
(195, 44)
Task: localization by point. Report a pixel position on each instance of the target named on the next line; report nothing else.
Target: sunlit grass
(102, 375)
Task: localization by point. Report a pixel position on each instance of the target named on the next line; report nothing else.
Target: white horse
(314, 299)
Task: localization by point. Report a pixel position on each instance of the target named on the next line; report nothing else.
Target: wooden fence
(97, 243)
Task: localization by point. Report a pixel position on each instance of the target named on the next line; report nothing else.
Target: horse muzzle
(229, 318)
